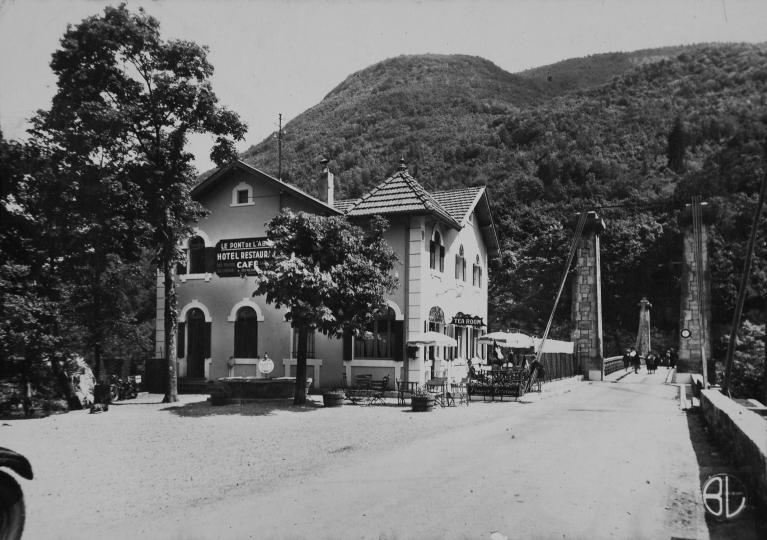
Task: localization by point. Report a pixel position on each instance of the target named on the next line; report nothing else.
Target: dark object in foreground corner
(12, 512)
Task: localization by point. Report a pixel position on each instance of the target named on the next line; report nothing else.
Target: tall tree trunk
(171, 329)
(299, 398)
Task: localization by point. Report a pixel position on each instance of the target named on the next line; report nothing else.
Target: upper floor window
(242, 195)
(437, 253)
(196, 255)
(477, 274)
(460, 265)
(246, 333)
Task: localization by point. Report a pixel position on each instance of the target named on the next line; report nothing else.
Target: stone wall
(743, 433)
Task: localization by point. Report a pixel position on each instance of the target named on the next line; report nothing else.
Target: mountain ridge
(634, 133)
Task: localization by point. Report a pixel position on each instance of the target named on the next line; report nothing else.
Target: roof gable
(402, 194)
(459, 202)
(211, 181)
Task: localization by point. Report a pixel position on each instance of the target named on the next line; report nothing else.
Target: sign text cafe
(239, 256)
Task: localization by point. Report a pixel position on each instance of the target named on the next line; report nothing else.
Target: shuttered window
(246, 333)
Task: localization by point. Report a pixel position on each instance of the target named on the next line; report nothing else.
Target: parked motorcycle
(12, 510)
(122, 388)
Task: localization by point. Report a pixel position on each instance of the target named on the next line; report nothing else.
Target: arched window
(246, 333)
(436, 253)
(436, 323)
(382, 338)
(460, 265)
(196, 255)
(476, 279)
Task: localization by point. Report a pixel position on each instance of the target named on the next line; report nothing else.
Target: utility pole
(279, 148)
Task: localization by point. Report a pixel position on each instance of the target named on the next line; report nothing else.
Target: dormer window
(437, 253)
(242, 195)
(477, 274)
(460, 265)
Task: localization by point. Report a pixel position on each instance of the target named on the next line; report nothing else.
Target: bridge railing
(613, 364)
(559, 366)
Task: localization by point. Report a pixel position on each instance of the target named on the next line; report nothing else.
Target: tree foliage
(631, 135)
(126, 101)
(330, 275)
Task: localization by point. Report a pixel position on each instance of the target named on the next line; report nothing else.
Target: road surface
(605, 460)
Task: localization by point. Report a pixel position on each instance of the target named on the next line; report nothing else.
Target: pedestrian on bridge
(636, 361)
(627, 359)
(651, 360)
(667, 358)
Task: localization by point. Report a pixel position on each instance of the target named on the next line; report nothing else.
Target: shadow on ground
(246, 408)
(713, 458)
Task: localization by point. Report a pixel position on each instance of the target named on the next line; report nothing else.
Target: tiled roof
(458, 202)
(399, 194)
(344, 204)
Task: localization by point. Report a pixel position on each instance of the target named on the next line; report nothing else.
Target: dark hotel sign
(462, 319)
(239, 256)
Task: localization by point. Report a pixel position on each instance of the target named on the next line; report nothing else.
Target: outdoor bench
(507, 383)
(511, 383)
(367, 391)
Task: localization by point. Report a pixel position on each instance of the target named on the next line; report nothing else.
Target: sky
(276, 57)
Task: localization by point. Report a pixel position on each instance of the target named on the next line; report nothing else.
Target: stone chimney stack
(327, 188)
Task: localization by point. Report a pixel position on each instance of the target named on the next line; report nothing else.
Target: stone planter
(333, 399)
(422, 403)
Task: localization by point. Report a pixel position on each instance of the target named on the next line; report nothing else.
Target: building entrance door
(195, 356)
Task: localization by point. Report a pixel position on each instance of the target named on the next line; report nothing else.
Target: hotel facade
(443, 241)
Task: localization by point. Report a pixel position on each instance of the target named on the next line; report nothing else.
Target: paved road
(605, 460)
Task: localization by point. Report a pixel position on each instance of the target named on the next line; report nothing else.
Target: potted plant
(333, 398)
(422, 401)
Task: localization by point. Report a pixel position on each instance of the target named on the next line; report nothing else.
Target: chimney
(326, 184)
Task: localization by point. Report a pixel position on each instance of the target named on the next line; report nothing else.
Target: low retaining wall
(240, 388)
(742, 432)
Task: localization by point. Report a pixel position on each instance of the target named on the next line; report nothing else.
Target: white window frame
(242, 186)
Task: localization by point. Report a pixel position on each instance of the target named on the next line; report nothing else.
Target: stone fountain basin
(261, 388)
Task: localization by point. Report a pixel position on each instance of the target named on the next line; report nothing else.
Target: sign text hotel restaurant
(239, 256)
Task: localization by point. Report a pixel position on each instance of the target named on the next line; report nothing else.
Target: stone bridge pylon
(587, 300)
(695, 309)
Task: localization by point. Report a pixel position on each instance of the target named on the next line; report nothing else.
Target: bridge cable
(573, 249)
(697, 227)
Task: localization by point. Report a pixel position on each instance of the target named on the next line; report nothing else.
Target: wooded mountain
(632, 135)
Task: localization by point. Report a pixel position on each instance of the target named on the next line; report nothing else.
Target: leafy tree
(748, 362)
(331, 275)
(32, 244)
(125, 103)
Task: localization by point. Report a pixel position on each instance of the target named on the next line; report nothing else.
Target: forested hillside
(632, 135)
